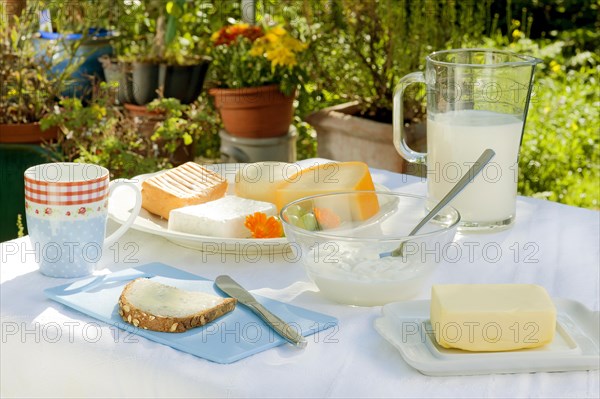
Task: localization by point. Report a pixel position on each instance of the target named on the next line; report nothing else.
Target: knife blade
(234, 290)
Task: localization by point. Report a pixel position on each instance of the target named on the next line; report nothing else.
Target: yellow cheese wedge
(492, 317)
(258, 181)
(330, 178)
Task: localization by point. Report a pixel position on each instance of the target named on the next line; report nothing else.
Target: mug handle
(398, 119)
(108, 241)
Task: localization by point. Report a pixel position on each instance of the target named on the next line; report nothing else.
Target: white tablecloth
(50, 350)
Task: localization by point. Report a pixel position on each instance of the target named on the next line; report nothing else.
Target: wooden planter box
(26, 133)
(341, 136)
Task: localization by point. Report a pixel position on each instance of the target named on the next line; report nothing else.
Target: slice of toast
(188, 184)
(155, 306)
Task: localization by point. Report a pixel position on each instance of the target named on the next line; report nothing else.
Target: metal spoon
(468, 177)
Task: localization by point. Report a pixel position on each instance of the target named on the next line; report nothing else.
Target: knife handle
(282, 328)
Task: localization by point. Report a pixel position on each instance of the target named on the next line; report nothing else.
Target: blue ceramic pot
(96, 44)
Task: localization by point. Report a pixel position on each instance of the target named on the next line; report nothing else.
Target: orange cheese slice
(330, 178)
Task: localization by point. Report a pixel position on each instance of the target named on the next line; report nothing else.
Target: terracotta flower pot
(255, 112)
(26, 133)
(12, 8)
(147, 120)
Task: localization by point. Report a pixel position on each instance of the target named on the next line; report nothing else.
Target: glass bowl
(339, 238)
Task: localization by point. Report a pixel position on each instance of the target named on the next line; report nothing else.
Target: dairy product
(492, 317)
(187, 184)
(260, 180)
(353, 273)
(224, 217)
(330, 178)
(455, 140)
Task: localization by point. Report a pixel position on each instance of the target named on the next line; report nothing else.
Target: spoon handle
(468, 177)
(462, 183)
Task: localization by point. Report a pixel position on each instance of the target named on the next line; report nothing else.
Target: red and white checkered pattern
(66, 193)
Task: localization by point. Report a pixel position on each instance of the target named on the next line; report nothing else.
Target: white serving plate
(122, 201)
(406, 326)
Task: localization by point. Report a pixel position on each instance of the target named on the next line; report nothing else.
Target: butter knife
(234, 290)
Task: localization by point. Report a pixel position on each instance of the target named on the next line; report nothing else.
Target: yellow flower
(279, 47)
(278, 31)
(281, 56)
(271, 38)
(257, 49)
(554, 66)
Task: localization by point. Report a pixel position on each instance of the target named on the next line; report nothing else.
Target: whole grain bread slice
(155, 306)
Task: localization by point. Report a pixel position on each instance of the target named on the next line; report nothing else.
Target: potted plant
(257, 73)
(176, 135)
(356, 57)
(162, 52)
(100, 133)
(27, 92)
(10, 8)
(76, 33)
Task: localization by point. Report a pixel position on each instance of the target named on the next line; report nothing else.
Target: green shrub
(360, 49)
(560, 152)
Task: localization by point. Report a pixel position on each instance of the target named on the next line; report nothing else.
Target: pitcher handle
(108, 241)
(398, 119)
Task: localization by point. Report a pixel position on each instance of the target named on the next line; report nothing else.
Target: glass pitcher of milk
(476, 99)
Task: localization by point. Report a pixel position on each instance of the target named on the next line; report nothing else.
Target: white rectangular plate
(406, 326)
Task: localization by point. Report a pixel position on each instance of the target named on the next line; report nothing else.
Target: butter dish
(406, 326)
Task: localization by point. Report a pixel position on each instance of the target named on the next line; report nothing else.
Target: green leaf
(171, 30)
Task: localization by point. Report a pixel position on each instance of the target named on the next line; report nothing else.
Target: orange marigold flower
(326, 218)
(229, 34)
(262, 227)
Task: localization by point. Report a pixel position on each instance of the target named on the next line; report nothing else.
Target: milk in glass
(455, 139)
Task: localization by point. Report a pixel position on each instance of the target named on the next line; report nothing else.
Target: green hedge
(560, 154)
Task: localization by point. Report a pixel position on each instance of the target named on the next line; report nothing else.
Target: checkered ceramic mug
(67, 206)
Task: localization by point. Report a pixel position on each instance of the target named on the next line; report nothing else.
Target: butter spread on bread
(155, 306)
(188, 184)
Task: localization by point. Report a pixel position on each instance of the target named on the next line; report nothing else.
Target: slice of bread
(188, 184)
(155, 306)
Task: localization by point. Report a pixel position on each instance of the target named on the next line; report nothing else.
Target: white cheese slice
(224, 217)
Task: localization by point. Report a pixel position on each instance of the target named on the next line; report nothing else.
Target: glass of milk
(476, 99)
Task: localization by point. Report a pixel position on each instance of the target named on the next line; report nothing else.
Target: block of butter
(492, 317)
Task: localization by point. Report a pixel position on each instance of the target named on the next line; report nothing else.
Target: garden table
(48, 349)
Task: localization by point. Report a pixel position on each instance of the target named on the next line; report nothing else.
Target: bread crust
(148, 321)
(160, 197)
